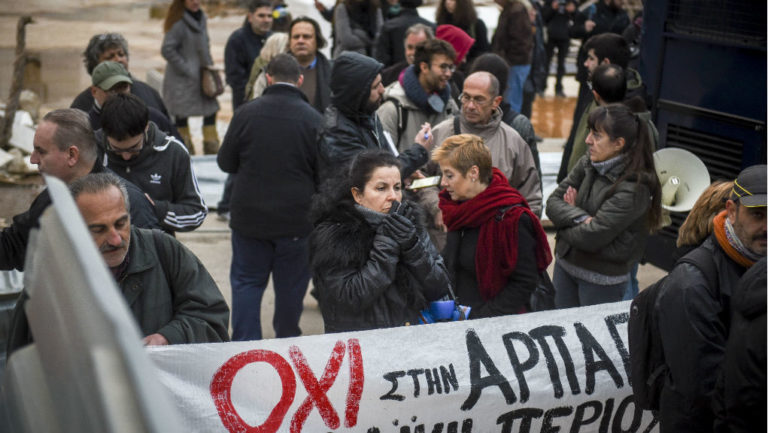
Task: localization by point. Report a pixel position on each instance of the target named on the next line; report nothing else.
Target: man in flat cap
(694, 310)
(111, 78)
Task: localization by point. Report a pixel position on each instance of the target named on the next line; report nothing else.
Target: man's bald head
(480, 97)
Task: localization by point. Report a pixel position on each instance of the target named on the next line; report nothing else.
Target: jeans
(575, 292)
(514, 94)
(287, 259)
(632, 287)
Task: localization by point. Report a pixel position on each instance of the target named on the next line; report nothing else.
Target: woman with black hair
(604, 210)
(373, 265)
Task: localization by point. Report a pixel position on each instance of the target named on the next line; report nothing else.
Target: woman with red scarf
(496, 246)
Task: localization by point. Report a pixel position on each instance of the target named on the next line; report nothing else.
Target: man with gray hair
(170, 293)
(415, 34)
(114, 47)
(65, 148)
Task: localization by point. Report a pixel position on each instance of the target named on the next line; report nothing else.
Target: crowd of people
(401, 171)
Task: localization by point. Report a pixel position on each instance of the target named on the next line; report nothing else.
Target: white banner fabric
(554, 371)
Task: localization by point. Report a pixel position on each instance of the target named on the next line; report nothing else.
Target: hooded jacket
(163, 170)
(348, 128)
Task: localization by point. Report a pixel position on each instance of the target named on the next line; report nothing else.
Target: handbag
(210, 81)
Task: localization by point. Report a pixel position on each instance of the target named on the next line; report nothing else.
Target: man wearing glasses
(157, 163)
(65, 148)
(480, 115)
(423, 94)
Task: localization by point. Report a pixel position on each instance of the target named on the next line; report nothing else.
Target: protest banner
(555, 371)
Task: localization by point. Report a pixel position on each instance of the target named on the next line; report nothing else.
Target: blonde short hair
(698, 225)
(462, 152)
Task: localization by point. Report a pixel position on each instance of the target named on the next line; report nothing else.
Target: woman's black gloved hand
(401, 228)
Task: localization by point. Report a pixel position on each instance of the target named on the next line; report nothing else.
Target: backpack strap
(702, 259)
(402, 118)
(456, 125)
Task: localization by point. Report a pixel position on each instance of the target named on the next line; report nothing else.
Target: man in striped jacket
(159, 164)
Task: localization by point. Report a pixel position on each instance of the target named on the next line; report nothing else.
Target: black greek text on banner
(555, 371)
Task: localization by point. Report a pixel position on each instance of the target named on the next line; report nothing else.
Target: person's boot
(187, 137)
(210, 140)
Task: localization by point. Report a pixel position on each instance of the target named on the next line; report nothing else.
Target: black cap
(749, 187)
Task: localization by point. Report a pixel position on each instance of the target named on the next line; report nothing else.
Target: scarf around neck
(416, 93)
(729, 242)
(496, 252)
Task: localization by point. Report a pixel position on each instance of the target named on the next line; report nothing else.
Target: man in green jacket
(170, 293)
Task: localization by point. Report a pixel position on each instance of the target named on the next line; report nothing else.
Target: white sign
(558, 371)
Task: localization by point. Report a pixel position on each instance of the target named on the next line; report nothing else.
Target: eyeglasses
(445, 67)
(133, 150)
(477, 100)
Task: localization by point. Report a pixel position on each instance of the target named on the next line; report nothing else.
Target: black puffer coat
(348, 128)
(363, 280)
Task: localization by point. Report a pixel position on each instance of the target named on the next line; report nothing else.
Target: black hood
(351, 77)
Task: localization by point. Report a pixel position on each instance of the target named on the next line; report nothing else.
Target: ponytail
(618, 121)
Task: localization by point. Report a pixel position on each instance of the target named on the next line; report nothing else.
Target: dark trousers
(253, 260)
(562, 46)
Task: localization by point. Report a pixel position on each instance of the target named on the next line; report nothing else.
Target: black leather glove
(401, 229)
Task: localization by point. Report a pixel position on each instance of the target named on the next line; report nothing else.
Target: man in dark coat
(389, 48)
(305, 41)
(695, 314)
(741, 390)
(271, 145)
(351, 122)
(244, 45)
(113, 46)
(65, 148)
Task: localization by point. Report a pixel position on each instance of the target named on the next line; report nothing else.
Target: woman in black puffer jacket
(372, 266)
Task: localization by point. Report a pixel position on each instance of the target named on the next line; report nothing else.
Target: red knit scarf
(496, 252)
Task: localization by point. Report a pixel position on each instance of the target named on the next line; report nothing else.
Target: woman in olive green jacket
(604, 210)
